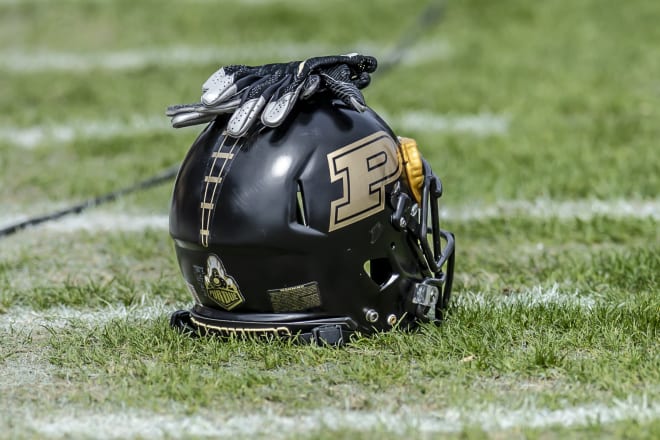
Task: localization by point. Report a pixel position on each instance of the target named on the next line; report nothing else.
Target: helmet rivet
(402, 222)
(391, 320)
(371, 315)
(414, 210)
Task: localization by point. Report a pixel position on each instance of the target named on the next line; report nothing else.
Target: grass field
(542, 118)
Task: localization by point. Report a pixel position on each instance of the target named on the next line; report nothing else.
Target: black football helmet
(318, 228)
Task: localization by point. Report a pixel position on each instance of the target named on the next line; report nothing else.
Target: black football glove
(269, 92)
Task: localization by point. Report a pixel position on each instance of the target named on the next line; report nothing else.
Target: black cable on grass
(156, 180)
(426, 19)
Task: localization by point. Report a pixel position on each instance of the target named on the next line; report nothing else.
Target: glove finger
(191, 118)
(310, 86)
(267, 86)
(314, 63)
(224, 107)
(217, 83)
(255, 93)
(214, 97)
(174, 110)
(280, 69)
(279, 107)
(253, 101)
(346, 91)
(224, 83)
(362, 81)
(218, 78)
(358, 63)
(363, 63)
(245, 116)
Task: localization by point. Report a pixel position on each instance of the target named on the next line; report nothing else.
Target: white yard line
(212, 2)
(53, 134)
(98, 221)
(59, 317)
(19, 61)
(563, 209)
(95, 220)
(50, 134)
(531, 297)
(484, 124)
(452, 420)
(25, 369)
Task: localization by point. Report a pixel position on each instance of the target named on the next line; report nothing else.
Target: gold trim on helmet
(242, 331)
(412, 163)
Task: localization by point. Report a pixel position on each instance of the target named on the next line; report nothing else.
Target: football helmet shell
(314, 229)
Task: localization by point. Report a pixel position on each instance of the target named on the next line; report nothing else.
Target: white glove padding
(269, 92)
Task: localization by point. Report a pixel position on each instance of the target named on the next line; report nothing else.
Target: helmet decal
(220, 286)
(364, 167)
(296, 298)
(220, 160)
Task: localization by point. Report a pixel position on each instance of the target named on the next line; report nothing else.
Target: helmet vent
(379, 270)
(301, 211)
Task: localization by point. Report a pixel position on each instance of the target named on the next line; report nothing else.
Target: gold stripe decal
(220, 163)
(221, 155)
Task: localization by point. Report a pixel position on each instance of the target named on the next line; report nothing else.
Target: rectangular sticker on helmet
(296, 298)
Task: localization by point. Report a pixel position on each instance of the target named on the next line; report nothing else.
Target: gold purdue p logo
(364, 167)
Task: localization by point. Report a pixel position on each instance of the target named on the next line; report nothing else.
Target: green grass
(550, 313)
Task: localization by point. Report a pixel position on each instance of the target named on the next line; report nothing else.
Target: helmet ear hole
(379, 270)
(301, 210)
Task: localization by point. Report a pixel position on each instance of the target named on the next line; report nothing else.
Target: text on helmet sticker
(364, 167)
(295, 298)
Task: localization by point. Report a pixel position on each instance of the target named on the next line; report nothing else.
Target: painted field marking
(584, 209)
(60, 317)
(491, 419)
(25, 369)
(544, 209)
(213, 2)
(52, 134)
(485, 124)
(531, 297)
(50, 61)
(93, 222)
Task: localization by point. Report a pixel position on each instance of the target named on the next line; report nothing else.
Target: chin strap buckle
(426, 297)
(328, 335)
